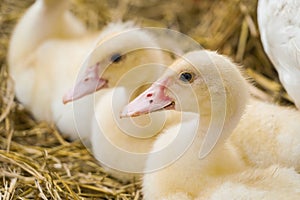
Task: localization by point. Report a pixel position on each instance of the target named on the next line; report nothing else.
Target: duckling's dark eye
(115, 58)
(186, 77)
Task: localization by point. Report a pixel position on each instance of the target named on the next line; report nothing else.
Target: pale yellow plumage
(222, 174)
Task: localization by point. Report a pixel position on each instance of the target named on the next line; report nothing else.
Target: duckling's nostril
(86, 79)
(151, 101)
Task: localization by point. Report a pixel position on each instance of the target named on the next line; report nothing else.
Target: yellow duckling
(210, 90)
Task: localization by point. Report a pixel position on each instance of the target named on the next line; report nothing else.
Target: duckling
(212, 94)
(46, 52)
(279, 27)
(114, 142)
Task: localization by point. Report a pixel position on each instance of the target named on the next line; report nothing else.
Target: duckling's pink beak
(153, 99)
(89, 83)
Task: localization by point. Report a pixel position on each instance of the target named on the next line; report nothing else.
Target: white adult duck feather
(279, 27)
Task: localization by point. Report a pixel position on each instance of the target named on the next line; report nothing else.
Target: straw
(38, 163)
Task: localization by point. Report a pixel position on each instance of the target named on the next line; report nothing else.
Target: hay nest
(36, 162)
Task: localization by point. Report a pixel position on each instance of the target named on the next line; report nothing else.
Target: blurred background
(36, 162)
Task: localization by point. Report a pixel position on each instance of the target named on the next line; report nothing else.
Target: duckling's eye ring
(115, 58)
(186, 77)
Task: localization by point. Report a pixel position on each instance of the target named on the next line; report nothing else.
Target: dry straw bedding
(37, 163)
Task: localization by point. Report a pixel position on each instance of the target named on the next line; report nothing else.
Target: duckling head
(114, 59)
(201, 82)
(204, 75)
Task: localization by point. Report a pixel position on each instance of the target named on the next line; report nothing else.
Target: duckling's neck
(222, 159)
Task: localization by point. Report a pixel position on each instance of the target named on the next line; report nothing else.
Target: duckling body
(220, 173)
(280, 34)
(46, 49)
(268, 134)
(251, 184)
